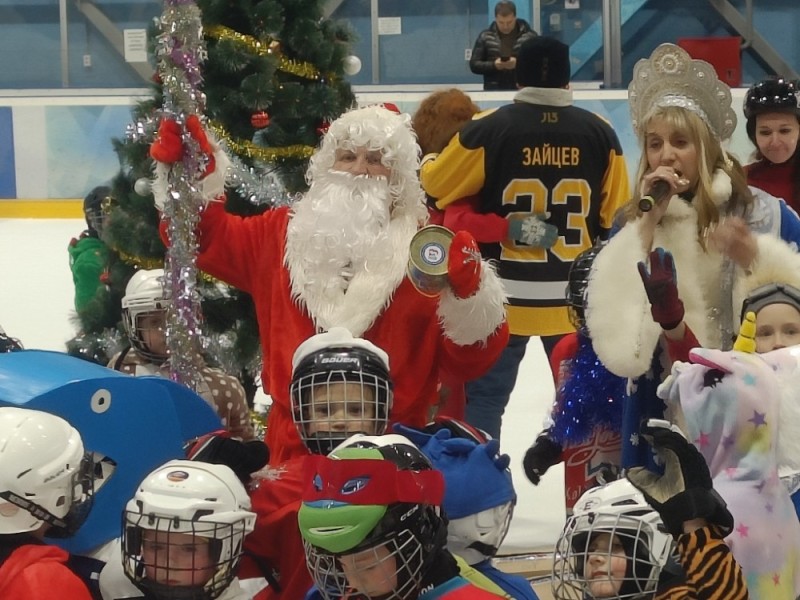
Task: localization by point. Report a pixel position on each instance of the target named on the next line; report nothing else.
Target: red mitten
(196, 130)
(464, 265)
(168, 146)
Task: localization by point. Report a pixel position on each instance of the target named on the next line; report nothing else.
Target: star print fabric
(731, 403)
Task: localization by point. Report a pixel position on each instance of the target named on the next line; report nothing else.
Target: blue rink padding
(138, 422)
(8, 177)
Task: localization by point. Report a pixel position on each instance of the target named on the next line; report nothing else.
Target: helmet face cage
(645, 550)
(144, 297)
(577, 283)
(173, 558)
(183, 531)
(80, 482)
(391, 569)
(63, 503)
(331, 401)
(96, 207)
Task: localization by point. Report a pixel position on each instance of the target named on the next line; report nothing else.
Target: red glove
(168, 146)
(661, 286)
(195, 128)
(464, 265)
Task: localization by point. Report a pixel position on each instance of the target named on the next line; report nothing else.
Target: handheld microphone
(658, 192)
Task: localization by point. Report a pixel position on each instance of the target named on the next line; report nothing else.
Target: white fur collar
(368, 293)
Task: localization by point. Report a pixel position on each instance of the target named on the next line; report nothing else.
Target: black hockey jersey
(529, 158)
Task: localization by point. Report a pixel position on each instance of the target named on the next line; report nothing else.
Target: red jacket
(276, 540)
(34, 572)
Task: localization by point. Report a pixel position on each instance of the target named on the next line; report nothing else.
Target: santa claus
(338, 257)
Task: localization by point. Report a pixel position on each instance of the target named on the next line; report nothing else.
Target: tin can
(427, 261)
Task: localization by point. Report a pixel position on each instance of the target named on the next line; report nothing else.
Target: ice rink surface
(36, 307)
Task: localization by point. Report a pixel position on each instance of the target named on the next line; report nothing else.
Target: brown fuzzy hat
(440, 116)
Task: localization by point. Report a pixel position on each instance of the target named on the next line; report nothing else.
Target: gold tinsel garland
(149, 264)
(295, 67)
(254, 151)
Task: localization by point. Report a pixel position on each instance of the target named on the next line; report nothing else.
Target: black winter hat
(543, 62)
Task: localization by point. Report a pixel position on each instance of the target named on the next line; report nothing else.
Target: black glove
(243, 458)
(685, 490)
(541, 456)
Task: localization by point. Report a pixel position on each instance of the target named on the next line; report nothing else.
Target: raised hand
(685, 491)
(464, 265)
(661, 286)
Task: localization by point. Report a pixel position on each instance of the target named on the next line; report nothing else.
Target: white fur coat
(618, 315)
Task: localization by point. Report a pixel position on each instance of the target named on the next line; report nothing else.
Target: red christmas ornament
(259, 120)
(323, 127)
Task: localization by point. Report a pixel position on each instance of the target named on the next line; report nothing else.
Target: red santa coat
(249, 253)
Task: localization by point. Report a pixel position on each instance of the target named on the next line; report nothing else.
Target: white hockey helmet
(326, 418)
(478, 537)
(144, 295)
(193, 498)
(620, 510)
(46, 477)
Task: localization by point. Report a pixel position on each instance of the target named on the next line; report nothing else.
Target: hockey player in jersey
(338, 257)
(46, 488)
(549, 177)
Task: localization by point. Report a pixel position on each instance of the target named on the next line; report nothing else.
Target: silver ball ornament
(351, 64)
(143, 186)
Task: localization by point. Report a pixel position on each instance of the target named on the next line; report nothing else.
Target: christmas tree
(272, 80)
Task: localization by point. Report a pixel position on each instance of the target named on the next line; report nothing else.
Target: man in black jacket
(495, 53)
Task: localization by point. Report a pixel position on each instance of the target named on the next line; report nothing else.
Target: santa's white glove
(533, 231)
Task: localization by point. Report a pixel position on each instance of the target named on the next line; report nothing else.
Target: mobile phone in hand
(504, 58)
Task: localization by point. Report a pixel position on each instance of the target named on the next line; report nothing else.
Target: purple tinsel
(590, 396)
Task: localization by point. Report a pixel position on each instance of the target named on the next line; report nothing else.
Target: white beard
(345, 253)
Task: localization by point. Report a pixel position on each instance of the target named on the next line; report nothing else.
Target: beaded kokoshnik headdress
(670, 77)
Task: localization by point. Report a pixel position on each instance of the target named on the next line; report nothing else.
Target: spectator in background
(495, 53)
(536, 182)
(772, 110)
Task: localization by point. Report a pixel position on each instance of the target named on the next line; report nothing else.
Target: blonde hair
(711, 158)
